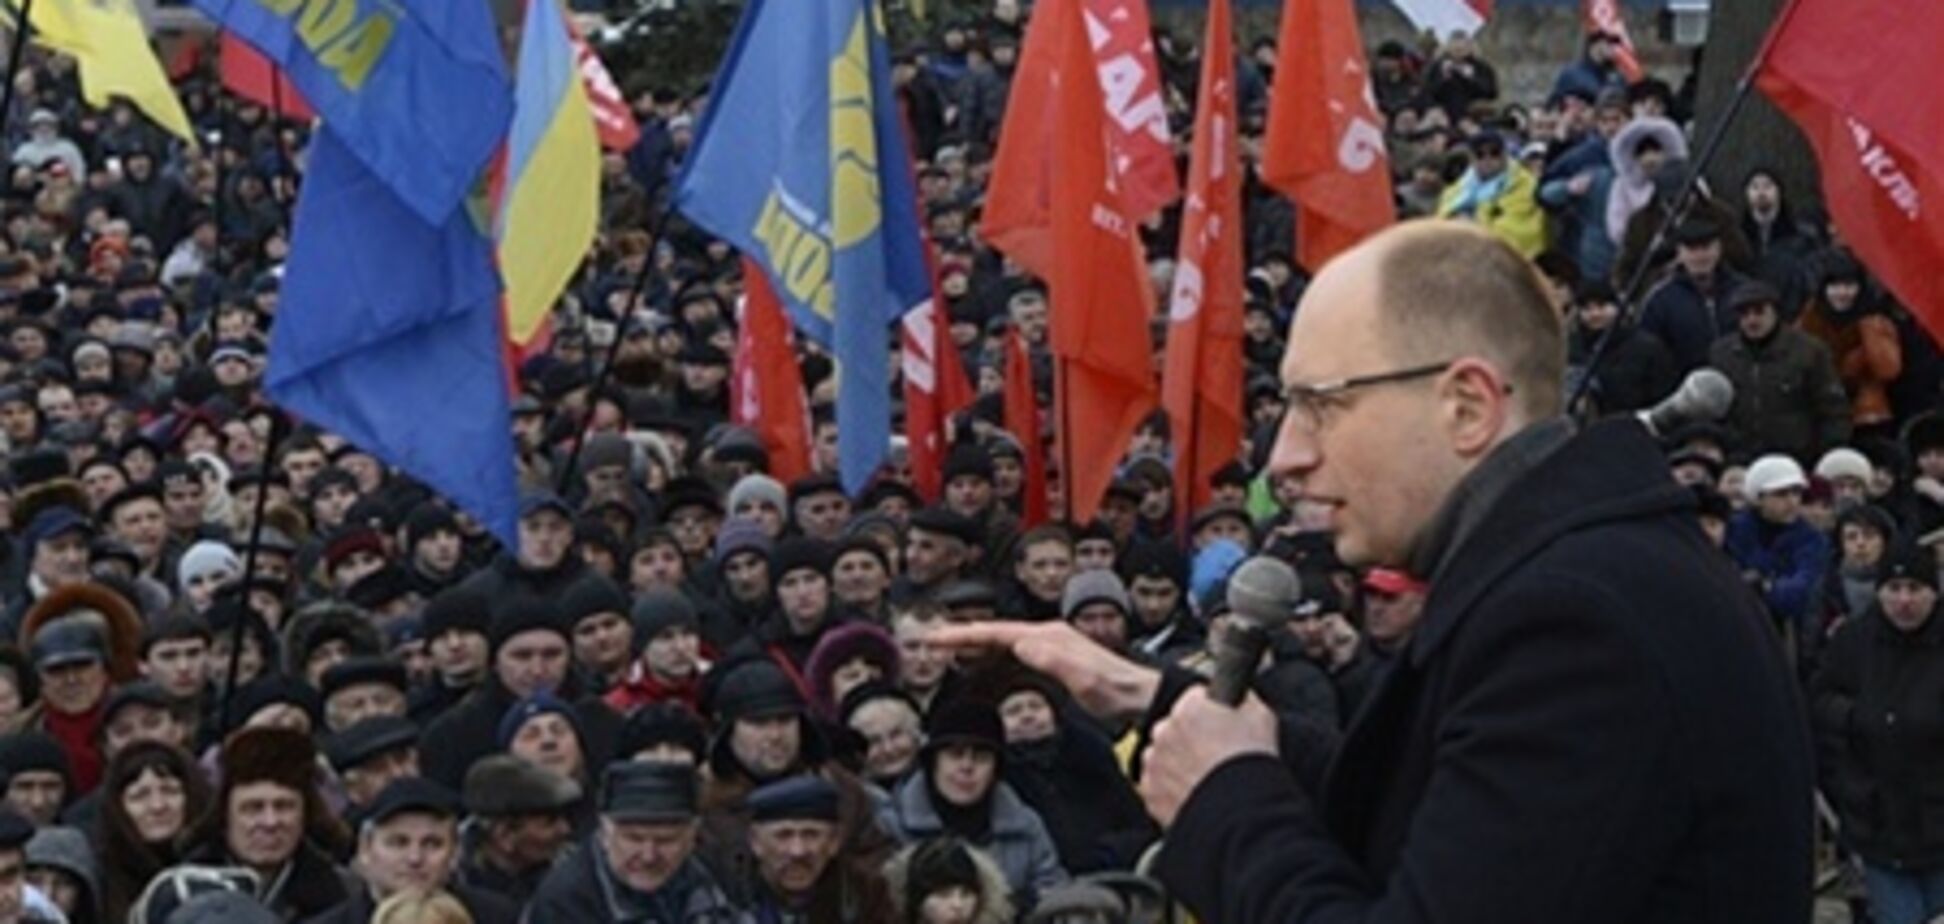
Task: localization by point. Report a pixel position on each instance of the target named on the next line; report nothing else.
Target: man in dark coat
(1686, 310)
(640, 867)
(1788, 397)
(529, 653)
(1591, 722)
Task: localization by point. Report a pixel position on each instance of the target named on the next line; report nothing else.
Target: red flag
(765, 383)
(1202, 384)
(1022, 420)
(1101, 299)
(1326, 141)
(1845, 72)
(1018, 217)
(1604, 16)
(251, 75)
(934, 388)
(1137, 115)
(613, 120)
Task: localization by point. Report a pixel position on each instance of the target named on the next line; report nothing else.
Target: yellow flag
(108, 40)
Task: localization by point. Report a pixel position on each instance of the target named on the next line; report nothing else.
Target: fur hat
(120, 623)
(840, 646)
(265, 754)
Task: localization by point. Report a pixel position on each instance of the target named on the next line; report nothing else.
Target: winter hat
(205, 559)
(1910, 563)
(606, 450)
(861, 543)
(589, 595)
(1869, 516)
(804, 797)
(1094, 587)
(363, 669)
(649, 792)
(798, 553)
(937, 864)
(67, 849)
(427, 518)
(1844, 462)
(369, 739)
(271, 690)
(518, 714)
(1152, 559)
(658, 724)
(1774, 472)
(839, 647)
(689, 491)
(755, 688)
(524, 615)
(966, 460)
(964, 721)
(380, 588)
(503, 785)
(871, 691)
(26, 751)
(457, 609)
(660, 610)
(740, 535)
(266, 754)
(1077, 901)
(224, 907)
(946, 522)
(758, 488)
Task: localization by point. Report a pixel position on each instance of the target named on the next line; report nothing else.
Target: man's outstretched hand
(1102, 682)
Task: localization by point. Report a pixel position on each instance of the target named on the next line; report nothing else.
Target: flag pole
(606, 372)
(13, 63)
(1683, 202)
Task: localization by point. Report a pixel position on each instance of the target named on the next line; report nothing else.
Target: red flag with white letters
(934, 389)
(1326, 141)
(1201, 386)
(1846, 73)
(1137, 114)
(614, 122)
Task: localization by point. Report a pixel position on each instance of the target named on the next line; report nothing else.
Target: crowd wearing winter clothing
(250, 672)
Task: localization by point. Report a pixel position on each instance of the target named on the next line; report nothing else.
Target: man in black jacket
(1591, 722)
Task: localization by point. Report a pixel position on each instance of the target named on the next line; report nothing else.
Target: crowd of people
(695, 693)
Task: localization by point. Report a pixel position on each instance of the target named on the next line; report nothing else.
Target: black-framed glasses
(1307, 403)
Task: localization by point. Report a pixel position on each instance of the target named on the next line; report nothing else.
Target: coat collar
(1609, 472)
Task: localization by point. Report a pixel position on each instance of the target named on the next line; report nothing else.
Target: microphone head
(1264, 591)
(1709, 393)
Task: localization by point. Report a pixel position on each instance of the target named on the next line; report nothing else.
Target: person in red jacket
(671, 662)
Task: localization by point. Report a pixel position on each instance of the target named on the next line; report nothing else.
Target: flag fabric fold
(1441, 18)
(1325, 146)
(1088, 251)
(1843, 72)
(612, 117)
(413, 91)
(1022, 420)
(765, 382)
(551, 201)
(247, 73)
(389, 334)
(110, 44)
(801, 163)
(1202, 378)
(935, 388)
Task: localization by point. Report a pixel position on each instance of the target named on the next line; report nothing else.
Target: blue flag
(801, 163)
(417, 91)
(388, 334)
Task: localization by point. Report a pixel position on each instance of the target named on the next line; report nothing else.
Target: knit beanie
(517, 616)
(525, 710)
(757, 487)
(589, 595)
(659, 610)
(204, 559)
(741, 535)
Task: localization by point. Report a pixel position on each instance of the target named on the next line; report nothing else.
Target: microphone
(1262, 595)
(1705, 394)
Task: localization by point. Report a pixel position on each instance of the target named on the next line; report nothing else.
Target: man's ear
(1475, 406)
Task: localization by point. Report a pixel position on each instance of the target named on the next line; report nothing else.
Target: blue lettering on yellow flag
(801, 163)
(418, 92)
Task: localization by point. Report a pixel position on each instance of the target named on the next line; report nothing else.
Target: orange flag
(1604, 16)
(1100, 293)
(1325, 147)
(1018, 216)
(1201, 386)
(1022, 420)
(765, 383)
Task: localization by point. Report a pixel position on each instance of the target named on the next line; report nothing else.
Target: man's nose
(1295, 451)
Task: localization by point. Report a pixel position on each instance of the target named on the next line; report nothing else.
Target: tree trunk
(1761, 135)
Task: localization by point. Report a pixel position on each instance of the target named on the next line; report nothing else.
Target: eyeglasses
(1307, 403)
